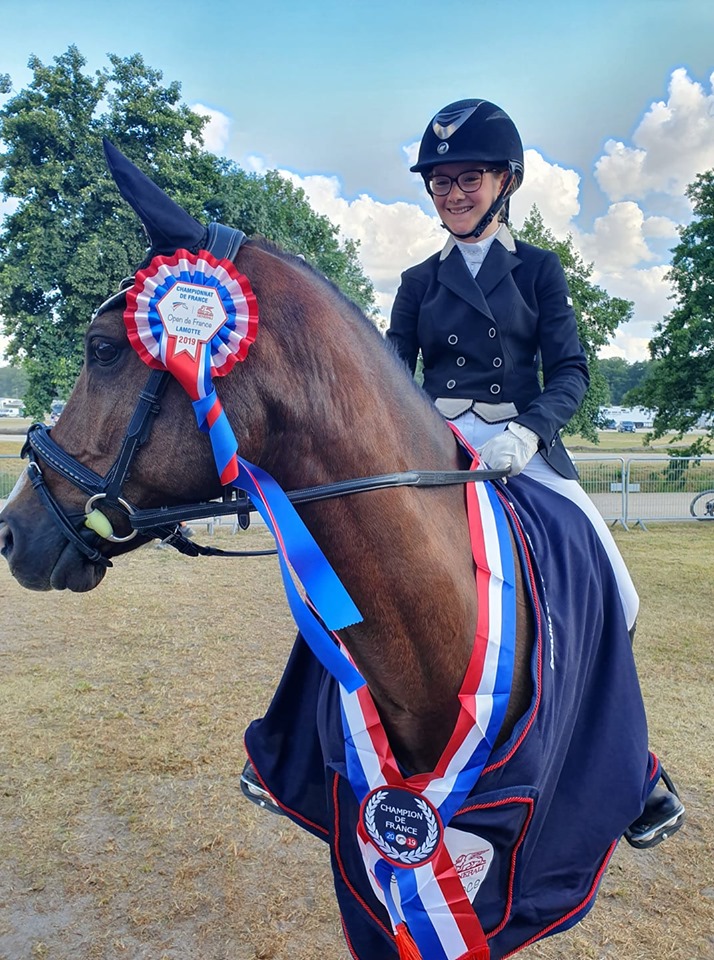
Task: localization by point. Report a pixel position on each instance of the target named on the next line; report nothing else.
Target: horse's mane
(352, 312)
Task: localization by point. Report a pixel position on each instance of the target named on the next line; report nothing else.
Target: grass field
(123, 833)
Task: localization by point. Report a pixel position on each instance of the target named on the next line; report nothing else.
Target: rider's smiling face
(461, 211)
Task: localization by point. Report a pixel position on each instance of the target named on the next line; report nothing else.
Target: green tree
(273, 207)
(622, 376)
(13, 382)
(72, 238)
(598, 315)
(681, 387)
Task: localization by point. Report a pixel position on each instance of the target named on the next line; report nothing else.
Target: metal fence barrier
(662, 488)
(602, 480)
(632, 490)
(636, 490)
(11, 467)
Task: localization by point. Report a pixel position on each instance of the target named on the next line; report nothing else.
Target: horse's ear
(168, 225)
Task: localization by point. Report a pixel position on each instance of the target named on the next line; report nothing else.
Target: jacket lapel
(454, 274)
(499, 262)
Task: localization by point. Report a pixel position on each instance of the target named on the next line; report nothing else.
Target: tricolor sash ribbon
(196, 317)
(403, 819)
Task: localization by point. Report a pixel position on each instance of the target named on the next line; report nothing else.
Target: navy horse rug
(528, 845)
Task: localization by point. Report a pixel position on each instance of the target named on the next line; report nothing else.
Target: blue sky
(613, 99)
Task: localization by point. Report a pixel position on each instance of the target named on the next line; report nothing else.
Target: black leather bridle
(164, 522)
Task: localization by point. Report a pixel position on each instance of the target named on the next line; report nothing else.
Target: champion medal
(404, 827)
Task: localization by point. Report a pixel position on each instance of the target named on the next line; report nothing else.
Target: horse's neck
(402, 553)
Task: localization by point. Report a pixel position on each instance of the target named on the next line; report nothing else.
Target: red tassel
(406, 947)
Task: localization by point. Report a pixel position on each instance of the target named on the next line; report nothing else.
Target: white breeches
(476, 431)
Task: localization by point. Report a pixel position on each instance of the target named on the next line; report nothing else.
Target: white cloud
(411, 152)
(650, 292)
(392, 236)
(619, 238)
(553, 189)
(673, 142)
(656, 227)
(8, 207)
(216, 133)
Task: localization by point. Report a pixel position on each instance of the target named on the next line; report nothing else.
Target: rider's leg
(477, 431)
(539, 470)
(663, 812)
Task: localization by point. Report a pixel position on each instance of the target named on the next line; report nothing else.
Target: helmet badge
(442, 147)
(448, 121)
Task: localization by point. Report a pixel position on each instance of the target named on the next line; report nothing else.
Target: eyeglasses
(439, 184)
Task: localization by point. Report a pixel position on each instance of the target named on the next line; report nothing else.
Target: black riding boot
(254, 790)
(662, 816)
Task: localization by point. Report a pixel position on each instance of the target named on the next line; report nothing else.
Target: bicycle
(702, 506)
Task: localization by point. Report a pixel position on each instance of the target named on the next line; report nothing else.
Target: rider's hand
(510, 450)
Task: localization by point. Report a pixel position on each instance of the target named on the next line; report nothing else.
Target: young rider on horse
(485, 313)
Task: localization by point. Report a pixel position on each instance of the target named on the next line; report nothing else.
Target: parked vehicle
(627, 426)
(10, 407)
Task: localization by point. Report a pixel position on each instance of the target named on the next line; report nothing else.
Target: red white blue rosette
(196, 317)
(192, 315)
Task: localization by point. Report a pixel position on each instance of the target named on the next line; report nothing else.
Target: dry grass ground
(123, 834)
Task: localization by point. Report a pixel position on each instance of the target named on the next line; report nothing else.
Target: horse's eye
(103, 351)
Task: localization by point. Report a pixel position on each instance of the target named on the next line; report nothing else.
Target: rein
(163, 522)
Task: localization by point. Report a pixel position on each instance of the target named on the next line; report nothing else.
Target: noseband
(108, 488)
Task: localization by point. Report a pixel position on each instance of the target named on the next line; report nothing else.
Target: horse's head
(107, 429)
(317, 394)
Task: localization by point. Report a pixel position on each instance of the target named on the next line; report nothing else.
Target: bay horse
(321, 398)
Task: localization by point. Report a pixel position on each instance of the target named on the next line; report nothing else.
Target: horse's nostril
(5, 539)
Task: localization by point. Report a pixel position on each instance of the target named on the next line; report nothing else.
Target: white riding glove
(510, 450)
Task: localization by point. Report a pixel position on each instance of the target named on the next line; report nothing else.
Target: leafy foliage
(622, 376)
(13, 382)
(681, 386)
(597, 313)
(72, 238)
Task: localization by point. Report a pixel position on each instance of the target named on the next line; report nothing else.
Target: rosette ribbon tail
(332, 605)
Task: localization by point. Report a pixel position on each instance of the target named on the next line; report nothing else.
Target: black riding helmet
(478, 131)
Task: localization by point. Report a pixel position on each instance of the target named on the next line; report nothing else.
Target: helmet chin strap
(487, 218)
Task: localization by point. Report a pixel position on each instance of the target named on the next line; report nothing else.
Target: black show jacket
(482, 339)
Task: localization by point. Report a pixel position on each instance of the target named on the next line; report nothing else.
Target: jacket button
(453, 339)
(495, 388)
(492, 332)
(497, 361)
(460, 361)
(450, 384)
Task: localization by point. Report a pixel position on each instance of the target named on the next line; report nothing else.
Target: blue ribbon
(332, 604)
